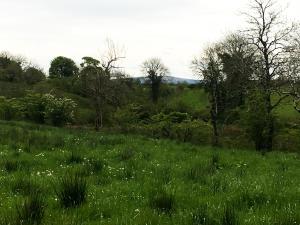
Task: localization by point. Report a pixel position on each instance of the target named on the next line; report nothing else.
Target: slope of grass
(195, 99)
(59, 176)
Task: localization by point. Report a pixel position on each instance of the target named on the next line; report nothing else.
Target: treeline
(18, 69)
(246, 77)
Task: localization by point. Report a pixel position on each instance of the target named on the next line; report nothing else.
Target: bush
(72, 190)
(58, 111)
(133, 114)
(34, 107)
(38, 108)
(9, 109)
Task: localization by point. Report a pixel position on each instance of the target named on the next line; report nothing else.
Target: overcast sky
(173, 30)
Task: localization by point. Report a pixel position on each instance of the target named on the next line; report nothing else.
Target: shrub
(133, 114)
(9, 109)
(72, 190)
(58, 111)
(34, 107)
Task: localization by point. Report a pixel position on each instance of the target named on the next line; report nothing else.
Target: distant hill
(172, 80)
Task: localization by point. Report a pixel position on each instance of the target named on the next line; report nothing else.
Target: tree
(33, 75)
(63, 67)
(293, 72)
(209, 69)
(99, 80)
(237, 59)
(10, 69)
(154, 71)
(269, 35)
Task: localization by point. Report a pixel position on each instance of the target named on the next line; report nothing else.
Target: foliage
(257, 120)
(63, 67)
(10, 69)
(33, 75)
(154, 71)
(38, 108)
(58, 110)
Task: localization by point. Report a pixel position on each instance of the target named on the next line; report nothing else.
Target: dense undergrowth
(62, 176)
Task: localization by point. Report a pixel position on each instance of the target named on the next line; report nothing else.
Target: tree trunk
(215, 141)
(214, 117)
(270, 125)
(155, 91)
(99, 117)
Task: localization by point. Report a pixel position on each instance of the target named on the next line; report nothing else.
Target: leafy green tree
(209, 69)
(101, 82)
(257, 120)
(63, 67)
(33, 75)
(238, 63)
(10, 69)
(155, 71)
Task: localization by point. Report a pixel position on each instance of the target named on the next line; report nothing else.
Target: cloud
(174, 30)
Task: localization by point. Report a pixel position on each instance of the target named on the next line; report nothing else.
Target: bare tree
(97, 79)
(209, 69)
(155, 71)
(269, 35)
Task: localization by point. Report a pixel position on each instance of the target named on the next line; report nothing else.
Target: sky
(173, 30)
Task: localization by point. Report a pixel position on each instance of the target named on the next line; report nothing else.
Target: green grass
(123, 179)
(193, 98)
(287, 113)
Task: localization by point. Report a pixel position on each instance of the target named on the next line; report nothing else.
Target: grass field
(60, 176)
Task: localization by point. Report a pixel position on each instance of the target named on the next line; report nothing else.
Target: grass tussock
(72, 190)
(162, 201)
(31, 211)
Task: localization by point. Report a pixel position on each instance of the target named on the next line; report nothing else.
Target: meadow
(67, 176)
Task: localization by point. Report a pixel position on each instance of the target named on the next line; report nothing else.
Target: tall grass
(71, 190)
(82, 177)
